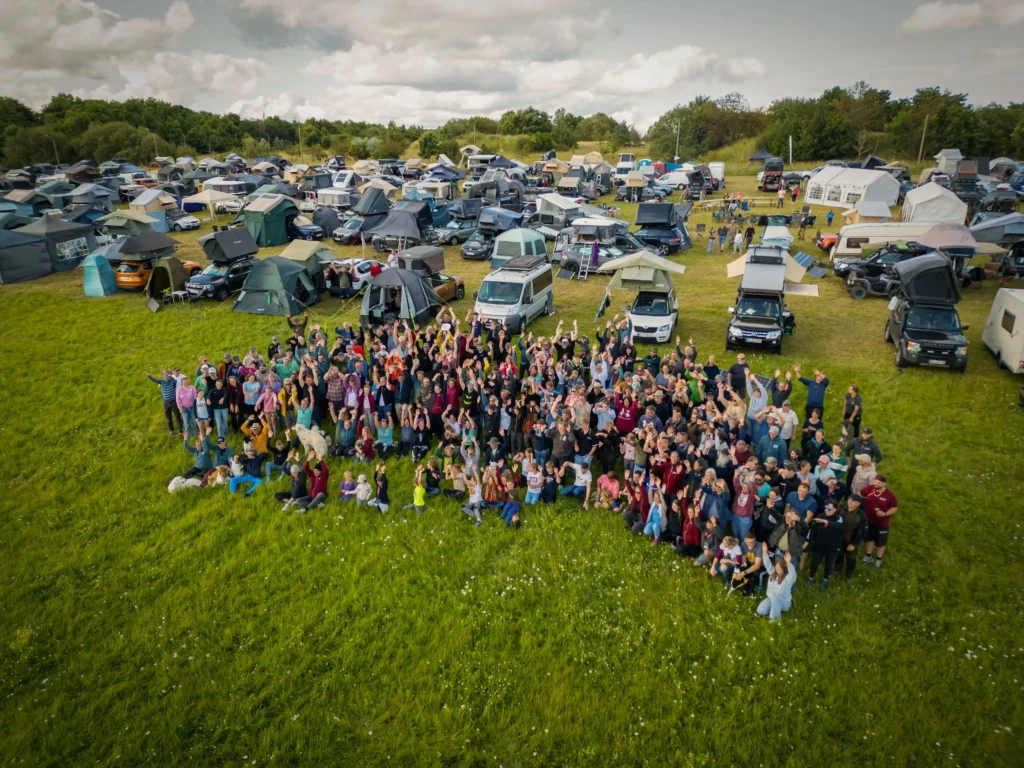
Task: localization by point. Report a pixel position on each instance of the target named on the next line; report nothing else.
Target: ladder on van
(584, 270)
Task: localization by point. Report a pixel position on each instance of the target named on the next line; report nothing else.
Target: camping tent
(58, 191)
(229, 245)
(66, 243)
(148, 245)
(641, 271)
(867, 212)
(366, 166)
(326, 218)
(99, 277)
(22, 257)
(156, 203)
(388, 189)
(397, 294)
(778, 237)
(520, 241)
(1003, 229)
(948, 237)
(760, 156)
(840, 187)
(12, 220)
(929, 278)
(276, 286)
(127, 222)
(399, 223)
(168, 276)
(267, 219)
(948, 160)
(313, 256)
(933, 203)
(871, 162)
(99, 197)
(373, 201)
(28, 202)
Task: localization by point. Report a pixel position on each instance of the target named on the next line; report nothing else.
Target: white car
(307, 205)
(360, 270)
(179, 221)
(229, 206)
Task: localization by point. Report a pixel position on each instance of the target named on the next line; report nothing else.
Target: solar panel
(816, 272)
(804, 260)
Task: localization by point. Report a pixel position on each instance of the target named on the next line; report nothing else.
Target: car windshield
(352, 224)
(748, 307)
(933, 319)
(650, 305)
(128, 268)
(478, 237)
(494, 292)
(216, 270)
(453, 224)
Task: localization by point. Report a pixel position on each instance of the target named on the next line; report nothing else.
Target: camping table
(181, 296)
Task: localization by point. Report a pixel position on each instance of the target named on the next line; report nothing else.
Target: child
(688, 545)
(549, 492)
(657, 502)
(345, 434)
(432, 478)
(405, 446)
(510, 511)
(419, 493)
(534, 483)
(458, 490)
(347, 489)
(381, 501)
(727, 559)
(363, 490)
(366, 447)
(629, 453)
(202, 413)
(472, 508)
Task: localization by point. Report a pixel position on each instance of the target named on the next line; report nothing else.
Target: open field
(140, 628)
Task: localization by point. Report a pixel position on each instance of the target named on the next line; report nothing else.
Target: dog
(312, 440)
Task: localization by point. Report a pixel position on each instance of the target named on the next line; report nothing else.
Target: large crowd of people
(715, 463)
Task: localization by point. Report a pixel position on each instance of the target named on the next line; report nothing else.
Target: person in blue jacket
(815, 391)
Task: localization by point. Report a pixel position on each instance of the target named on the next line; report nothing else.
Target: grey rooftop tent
(68, 244)
(760, 156)
(372, 201)
(229, 245)
(398, 294)
(148, 245)
(398, 223)
(929, 279)
(22, 257)
(276, 286)
(1003, 229)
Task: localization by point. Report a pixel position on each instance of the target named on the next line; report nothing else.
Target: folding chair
(701, 229)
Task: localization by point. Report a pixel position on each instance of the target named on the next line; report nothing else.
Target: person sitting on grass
(347, 489)
(251, 464)
(580, 487)
(201, 463)
(779, 588)
(364, 491)
(298, 490)
(380, 478)
(510, 510)
(472, 507)
(419, 492)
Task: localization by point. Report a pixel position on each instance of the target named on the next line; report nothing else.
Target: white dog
(313, 440)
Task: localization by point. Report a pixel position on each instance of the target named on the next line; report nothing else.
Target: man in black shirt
(738, 376)
(585, 444)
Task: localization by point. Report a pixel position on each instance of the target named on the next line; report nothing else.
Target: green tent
(267, 219)
(67, 243)
(99, 277)
(168, 276)
(276, 286)
(312, 255)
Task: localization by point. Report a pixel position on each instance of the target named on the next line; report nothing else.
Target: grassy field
(140, 628)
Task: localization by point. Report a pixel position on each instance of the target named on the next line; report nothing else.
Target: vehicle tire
(901, 361)
(999, 361)
(729, 347)
(221, 294)
(888, 333)
(308, 237)
(680, 187)
(858, 292)
(460, 293)
(453, 241)
(961, 370)
(663, 250)
(176, 228)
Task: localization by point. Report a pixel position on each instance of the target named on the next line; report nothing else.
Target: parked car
(663, 239)
(229, 206)
(301, 228)
(479, 246)
(134, 275)
(574, 255)
(383, 243)
(179, 221)
(219, 280)
(447, 287)
(648, 193)
(351, 229)
(876, 263)
(454, 232)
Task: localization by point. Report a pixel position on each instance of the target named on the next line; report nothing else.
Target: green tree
(14, 115)
(34, 144)
(429, 143)
(528, 120)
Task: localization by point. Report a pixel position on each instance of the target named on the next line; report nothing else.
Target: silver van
(520, 291)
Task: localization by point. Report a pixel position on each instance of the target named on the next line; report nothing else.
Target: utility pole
(55, 152)
(924, 132)
(302, 154)
(677, 143)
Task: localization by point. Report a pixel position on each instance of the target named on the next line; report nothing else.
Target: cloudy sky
(424, 61)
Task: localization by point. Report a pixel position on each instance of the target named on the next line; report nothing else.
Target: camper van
(520, 291)
(477, 165)
(1004, 329)
(627, 163)
(853, 237)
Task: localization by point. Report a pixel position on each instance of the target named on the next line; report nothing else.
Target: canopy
(947, 236)
(399, 223)
(168, 276)
(933, 203)
(99, 277)
(22, 257)
(276, 286)
(1004, 229)
(398, 294)
(67, 243)
(499, 161)
(759, 156)
(229, 245)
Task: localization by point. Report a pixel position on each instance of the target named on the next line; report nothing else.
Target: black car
(219, 280)
(878, 262)
(664, 239)
(478, 246)
(301, 228)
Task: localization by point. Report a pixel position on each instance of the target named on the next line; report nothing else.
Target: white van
(520, 291)
(854, 237)
(1004, 330)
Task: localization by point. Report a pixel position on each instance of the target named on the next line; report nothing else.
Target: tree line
(840, 123)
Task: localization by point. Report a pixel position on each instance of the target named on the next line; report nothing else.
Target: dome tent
(398, 294)
(99, 277)
(276, 286)
(168, 276)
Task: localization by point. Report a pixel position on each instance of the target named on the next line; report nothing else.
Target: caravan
(854, 237)
(1004, 329)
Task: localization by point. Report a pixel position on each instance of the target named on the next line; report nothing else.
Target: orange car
(147, 181)
(826, 241)
(134, 275)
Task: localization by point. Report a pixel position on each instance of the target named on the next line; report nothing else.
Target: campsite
(150, 618)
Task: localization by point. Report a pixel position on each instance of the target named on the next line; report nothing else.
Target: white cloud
(179, 77)
(939, 15)
(46, 43)
(284, 105)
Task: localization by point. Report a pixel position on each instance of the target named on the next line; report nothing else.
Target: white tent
(933, 203)
(948, 160)
(839, 187)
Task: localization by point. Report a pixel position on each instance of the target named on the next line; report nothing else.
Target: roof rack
(524, 263)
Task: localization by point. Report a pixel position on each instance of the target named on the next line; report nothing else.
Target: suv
(301, 228)
(520, 291)
(760, 317)
(219, 280)
(664, 239)
(454, 232)
(876, 266)
(923, 322)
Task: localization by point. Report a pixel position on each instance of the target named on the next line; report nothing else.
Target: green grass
(143, 628)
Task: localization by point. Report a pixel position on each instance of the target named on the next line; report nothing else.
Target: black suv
(664, 239)
(219, 280)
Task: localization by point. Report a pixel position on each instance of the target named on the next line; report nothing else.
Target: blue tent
(99, 277)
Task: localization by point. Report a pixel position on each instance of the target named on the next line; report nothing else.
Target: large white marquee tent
(840, 187)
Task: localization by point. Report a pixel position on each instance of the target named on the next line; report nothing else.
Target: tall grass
(144, 628)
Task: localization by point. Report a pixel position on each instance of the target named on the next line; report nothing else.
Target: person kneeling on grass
(251, 466)
(381, 501)
(419, 493)
(580, 487)
(779, 589)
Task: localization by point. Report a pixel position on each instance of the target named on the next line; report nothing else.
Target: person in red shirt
(318, 479)
(879, 506)
(639, 506)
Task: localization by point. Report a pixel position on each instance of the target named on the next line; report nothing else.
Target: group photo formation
(428, 384)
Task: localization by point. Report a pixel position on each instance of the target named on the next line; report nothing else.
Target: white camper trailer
(1004, 329)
